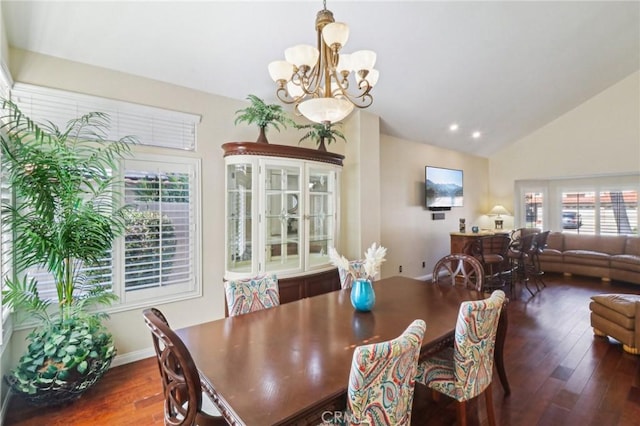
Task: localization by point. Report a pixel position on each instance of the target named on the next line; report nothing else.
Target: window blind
(618, 212)
(152, 126)
(159, 239)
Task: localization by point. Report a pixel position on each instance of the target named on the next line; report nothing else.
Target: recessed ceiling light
(454, 127)
(476, 134)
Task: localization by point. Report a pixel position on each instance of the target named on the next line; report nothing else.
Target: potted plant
(63, 221)
(319, 132)
(262, 115)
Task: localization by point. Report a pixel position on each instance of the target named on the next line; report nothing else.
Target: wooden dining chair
(186, 402)
(382, 380)
(464, 371)
(459, 269)
(251, 294)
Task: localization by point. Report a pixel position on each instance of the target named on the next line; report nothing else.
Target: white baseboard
(425, 277)
(130, 357)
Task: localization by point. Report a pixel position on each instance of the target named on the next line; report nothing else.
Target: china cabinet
(282, 214)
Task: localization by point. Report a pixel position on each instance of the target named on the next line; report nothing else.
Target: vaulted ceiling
(501, 68)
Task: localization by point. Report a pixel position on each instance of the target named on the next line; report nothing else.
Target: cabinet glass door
(239, 217)
(322, 215)
(282, 217)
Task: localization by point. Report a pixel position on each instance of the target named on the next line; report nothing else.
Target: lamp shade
(363, 60)
(320, 110)
(302, 54)
(499, 210)
(335, 33)
(280, 70)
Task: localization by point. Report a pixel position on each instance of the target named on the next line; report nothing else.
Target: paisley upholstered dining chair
(346, 277)
(464, 371)
(186, 402)
(252, 294)
(382, 379)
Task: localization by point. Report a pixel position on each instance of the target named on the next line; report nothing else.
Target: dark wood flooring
(560, 374)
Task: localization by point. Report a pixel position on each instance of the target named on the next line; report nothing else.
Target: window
(579, 212)
(619, 212)
(5, 196)
(605, 205)
(161, 246)
(534, 210)
(159, 257)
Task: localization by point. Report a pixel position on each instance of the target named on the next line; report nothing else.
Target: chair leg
(488, 395)
(462, 413)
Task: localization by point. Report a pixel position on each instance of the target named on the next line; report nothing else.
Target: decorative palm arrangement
(263, 115)
(321, 132)
(64, 219)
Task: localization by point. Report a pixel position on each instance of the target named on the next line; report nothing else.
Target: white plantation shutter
(166, 266)
(160, 243)
(152, 126)
(619, 212)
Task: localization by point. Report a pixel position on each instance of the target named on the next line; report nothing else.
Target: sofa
(609, 257)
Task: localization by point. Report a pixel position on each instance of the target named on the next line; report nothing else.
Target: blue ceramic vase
(362, 295)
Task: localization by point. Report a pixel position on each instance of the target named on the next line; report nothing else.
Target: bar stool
(491, 251)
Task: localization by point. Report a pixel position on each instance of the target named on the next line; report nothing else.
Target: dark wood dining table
(289, 364)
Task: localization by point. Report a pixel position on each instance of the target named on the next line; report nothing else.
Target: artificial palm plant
(263, 115)
(321, 132)
(63, 219)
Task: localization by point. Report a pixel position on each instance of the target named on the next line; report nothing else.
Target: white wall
(216, 128)
(407, 229)
(4, 45)
(218, 114)
(599, 137)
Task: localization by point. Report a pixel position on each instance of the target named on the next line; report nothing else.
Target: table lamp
(497, 211)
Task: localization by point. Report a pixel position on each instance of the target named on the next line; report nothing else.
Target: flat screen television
(443, 188)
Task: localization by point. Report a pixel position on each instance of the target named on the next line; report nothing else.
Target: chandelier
(317, 79)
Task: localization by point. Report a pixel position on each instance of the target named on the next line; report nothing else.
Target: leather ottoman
(617, 316)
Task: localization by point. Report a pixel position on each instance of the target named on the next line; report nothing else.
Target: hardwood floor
(560, 374)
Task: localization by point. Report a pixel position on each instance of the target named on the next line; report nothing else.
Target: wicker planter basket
(63, 393)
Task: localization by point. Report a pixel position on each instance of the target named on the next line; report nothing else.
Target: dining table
(290, 364)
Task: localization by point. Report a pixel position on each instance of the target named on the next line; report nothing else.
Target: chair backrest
(459, 269)
(541, 241)
(252, 294)
(346, 277)
(490, 245)
(474, 344)
(527, 243)
(382, 379)
(180, 378)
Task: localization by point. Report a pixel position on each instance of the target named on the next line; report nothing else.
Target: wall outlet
(400, 268)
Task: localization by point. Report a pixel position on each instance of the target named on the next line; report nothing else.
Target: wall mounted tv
(443, 188)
